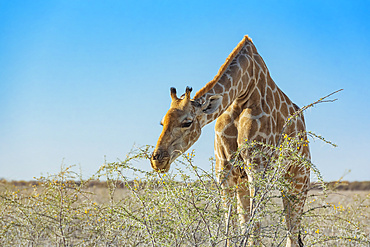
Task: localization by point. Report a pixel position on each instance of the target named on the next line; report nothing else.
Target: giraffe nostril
(160, 155)
(157, 156)
(154, 157)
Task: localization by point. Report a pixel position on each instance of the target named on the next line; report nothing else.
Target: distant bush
(344, 186)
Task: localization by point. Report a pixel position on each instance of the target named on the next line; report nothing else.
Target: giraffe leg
(245, 200)
(243, 203)
(294, 201)
(227, 183)
(225, 147)
(244, 196)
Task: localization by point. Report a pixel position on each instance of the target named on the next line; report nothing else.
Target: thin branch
(228, 224)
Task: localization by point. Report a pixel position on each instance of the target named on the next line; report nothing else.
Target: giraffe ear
(212, 104)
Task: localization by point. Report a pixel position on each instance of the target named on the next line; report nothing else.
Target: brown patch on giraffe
(300, 126)
(243, 62)
(225, 81)
(225, 99)
(254, 98)
(285, 98)
(277, 100)
(251, 48)
(298, 186)
(269, 96)
(224, 67)
(240, 85)
(256, 110)
(250, 69)
(265, 106)
(262, 88)
(218, 88)
(258, 59)
(232, 93)
(270, 82)
(253, 127)
(249, 88)
(280, 121)
(291, 110)
(230, 130)
(266, 126)
(284, 110)
(237, 76)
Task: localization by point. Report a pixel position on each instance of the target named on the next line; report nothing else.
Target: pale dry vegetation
(182, 208)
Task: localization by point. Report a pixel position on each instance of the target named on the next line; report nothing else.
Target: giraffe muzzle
(160, 161)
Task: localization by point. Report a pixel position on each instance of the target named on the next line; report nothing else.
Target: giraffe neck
(243, 72)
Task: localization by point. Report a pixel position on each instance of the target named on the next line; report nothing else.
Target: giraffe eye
(186, 124)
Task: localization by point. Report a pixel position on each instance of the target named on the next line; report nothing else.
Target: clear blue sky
(80, 80)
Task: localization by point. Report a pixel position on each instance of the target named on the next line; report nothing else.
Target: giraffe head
(181, 127)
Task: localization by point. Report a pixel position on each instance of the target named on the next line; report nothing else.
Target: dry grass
(155, 210)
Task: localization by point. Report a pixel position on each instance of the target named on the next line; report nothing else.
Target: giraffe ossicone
(247, 105)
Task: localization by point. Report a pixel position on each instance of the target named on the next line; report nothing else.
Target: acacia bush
(181, 208)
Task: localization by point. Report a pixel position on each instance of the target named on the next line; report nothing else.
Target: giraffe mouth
(160, 161)
(162, 167)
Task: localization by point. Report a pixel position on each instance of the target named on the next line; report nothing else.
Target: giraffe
(247, 105)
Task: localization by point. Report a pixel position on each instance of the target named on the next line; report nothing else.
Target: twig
(228, 225)
(297, 113)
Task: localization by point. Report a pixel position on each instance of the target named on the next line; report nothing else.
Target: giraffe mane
(223, 68)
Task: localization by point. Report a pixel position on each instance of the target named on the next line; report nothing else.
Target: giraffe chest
(261, 127)
(252, 119)
(238, 125)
